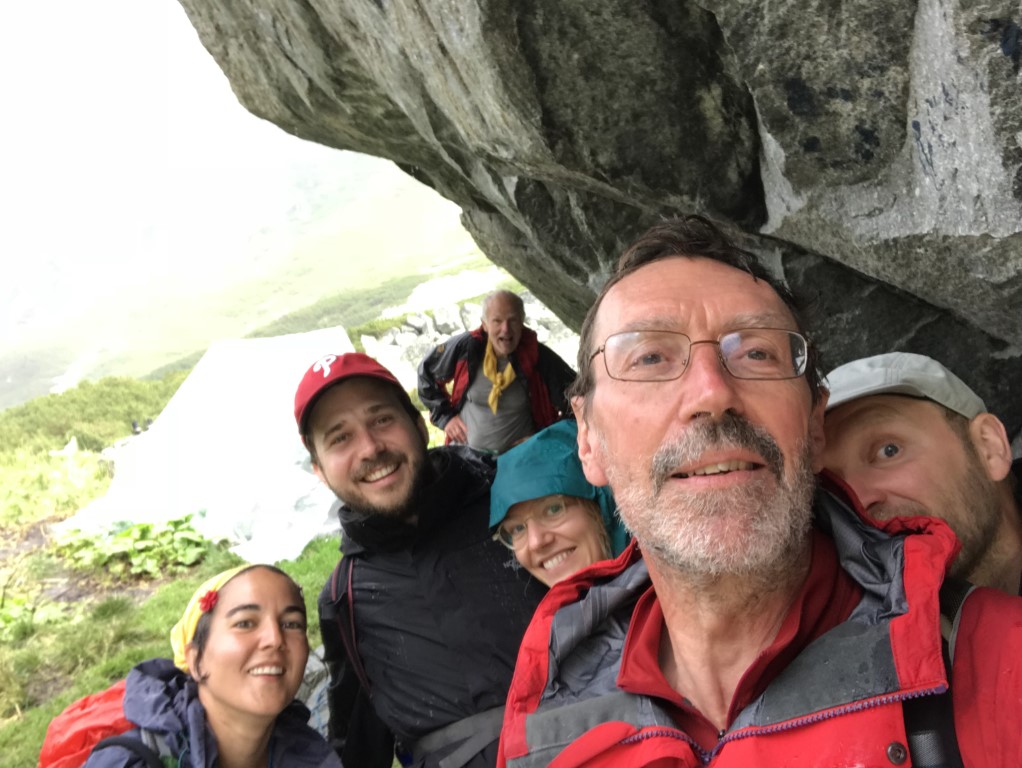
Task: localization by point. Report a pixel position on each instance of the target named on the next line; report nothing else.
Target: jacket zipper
(673, 733)
(706, 757)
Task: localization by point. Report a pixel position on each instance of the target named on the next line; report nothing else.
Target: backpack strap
(158, 743)
(141, 748)
(953, 593)
(474, 732)
(930, 720)
(354, 730)
(347, 633)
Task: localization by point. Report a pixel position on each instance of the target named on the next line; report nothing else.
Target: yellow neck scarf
(501, 379)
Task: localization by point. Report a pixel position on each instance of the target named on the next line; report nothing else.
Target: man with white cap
(911, 438)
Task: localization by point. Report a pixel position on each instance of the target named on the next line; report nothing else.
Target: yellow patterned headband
(202, 601)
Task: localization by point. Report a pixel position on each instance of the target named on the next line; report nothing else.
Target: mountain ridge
(383, 223)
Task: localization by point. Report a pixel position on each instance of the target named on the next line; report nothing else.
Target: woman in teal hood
(544, 510)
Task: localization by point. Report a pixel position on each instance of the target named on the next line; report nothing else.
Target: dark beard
(406, 510)
(387, 529)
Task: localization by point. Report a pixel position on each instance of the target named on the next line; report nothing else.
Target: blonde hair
(593, 510)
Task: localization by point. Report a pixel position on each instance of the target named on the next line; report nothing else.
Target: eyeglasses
(748, 353)
(554, 512)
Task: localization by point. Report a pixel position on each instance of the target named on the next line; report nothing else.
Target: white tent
(226, 449)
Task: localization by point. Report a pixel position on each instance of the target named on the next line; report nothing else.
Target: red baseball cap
(332, 369)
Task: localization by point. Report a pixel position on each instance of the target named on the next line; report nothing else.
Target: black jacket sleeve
(435, 371)
(558, 377)
(355, 732)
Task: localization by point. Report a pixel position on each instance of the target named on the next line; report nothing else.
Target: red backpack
(75, 732)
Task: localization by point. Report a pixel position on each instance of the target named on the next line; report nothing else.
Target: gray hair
(510, 296)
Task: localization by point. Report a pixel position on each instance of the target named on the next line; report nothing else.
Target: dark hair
(692, 237)
(403, 398)
(959, 423)
(202, 627)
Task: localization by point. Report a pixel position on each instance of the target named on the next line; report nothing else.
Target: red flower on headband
(208, 601)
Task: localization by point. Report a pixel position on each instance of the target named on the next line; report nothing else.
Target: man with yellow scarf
(492, 387)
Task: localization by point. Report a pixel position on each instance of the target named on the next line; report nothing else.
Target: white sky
(121, 144)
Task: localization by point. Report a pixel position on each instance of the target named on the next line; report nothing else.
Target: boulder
(869, 150)
(447, 320)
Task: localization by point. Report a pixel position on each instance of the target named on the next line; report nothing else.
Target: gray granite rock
(447, 320)
(873, 148)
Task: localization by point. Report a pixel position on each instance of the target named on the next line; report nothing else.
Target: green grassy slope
(346, 250)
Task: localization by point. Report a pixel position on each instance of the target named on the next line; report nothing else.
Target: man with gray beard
(776, 521)
(758, 619)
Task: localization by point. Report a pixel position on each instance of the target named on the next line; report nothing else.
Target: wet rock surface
(870, 150)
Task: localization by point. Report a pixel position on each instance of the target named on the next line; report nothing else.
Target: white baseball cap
(902, 373)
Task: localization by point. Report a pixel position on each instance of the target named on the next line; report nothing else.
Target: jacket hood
(161, 698)
(546, 464)
(453, 472)
(862, 530)
(158, 696)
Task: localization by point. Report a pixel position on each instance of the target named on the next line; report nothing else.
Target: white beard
(756, 530)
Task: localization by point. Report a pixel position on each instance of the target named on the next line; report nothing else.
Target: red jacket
(837, 703)
(456, 362)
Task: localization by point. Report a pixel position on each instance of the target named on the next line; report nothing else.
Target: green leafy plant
(141, 550)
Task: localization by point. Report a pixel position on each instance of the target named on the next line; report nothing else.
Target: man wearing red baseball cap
(425, 611)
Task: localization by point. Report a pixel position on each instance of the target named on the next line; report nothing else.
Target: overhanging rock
(872, 148)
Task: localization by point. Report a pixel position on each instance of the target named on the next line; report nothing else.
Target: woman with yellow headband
(228, 698)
